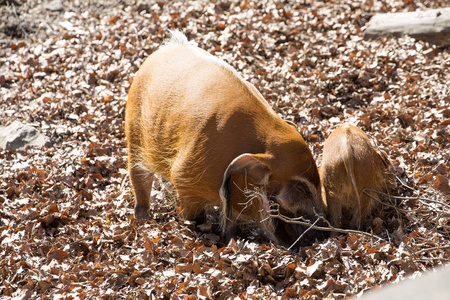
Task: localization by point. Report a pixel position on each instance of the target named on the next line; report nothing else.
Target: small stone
(55, 5)
(18, 136)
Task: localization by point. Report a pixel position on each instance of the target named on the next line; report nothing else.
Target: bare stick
(402, 182)
(384, 203)
(300, 237)
(424, 259)
(408, 198)
(431, 249)
(302, 221)
(405, 211)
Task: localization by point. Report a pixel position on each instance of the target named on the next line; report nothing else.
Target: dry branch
(407, 198)
(275, 213)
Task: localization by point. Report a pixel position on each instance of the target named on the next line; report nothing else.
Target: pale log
(431, 25)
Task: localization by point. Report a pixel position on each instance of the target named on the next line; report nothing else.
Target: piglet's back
(350, 164)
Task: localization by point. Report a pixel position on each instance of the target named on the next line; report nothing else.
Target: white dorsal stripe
(177, 37)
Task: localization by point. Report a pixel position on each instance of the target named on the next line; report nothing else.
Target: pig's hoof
(141, 214)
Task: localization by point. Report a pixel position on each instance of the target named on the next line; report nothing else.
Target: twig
(422, 200)
(408, 198)
(432, 259)
(384, 203)
(402, 182)
(302, 221)
(432, 248)
(300, 237)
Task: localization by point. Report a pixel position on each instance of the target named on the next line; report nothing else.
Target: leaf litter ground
(66, 226)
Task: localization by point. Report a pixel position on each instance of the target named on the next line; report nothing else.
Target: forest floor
(66, 211)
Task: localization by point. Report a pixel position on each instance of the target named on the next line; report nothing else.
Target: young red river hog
(351, 164)
(191, 118)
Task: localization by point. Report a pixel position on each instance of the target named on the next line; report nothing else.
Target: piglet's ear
(250, 165)
(384, 157)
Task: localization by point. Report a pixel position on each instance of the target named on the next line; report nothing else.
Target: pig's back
(183, 98)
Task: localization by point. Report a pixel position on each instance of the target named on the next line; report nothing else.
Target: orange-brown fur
(349, 165)
(189, 116)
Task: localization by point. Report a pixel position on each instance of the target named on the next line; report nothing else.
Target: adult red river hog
(351, 164)
(191, 118)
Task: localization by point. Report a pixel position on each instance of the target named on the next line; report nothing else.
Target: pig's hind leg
(142, 181)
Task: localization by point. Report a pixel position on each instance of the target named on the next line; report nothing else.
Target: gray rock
(55, 5)
(432, 285)
(10, 2)
(431, 25)
(18, 136)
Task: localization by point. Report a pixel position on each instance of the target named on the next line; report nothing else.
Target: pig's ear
(253, 167)
(384, 157)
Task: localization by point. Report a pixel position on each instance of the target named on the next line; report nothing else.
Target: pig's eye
(303, 190)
